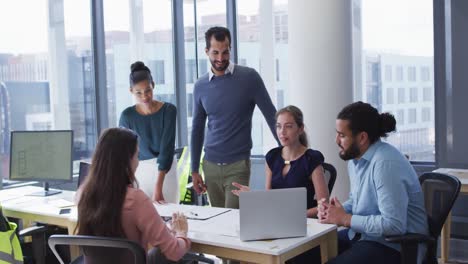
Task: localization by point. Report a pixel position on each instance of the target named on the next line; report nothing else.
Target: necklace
(288, 162)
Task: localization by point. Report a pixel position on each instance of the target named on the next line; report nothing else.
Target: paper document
(190, 211)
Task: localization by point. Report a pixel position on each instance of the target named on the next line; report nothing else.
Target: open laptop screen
(269, 214)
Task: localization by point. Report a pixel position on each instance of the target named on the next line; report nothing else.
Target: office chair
(330, 175)
(178, 152)
(187, 192)
(440, 192)
(37, 247)
(100, 249)
(107, 250)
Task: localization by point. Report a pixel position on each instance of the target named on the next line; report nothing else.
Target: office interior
(64, 65)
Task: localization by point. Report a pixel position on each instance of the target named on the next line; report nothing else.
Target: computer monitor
(44, 156)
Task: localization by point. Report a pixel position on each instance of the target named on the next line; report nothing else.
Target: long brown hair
(104, 190)
(296, 113)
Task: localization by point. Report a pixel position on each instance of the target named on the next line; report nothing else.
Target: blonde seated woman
(293, 164)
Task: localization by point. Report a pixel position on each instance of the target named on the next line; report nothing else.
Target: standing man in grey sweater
(227, 96)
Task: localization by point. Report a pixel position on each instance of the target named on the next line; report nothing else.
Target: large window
(137, 30)
(199, 16)
(405, 45)
(46, 72)
(263, 45)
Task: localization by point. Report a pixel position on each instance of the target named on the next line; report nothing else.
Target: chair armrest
(194, 257)
(32, 230)
(410, 238)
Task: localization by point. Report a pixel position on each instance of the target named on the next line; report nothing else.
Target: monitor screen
(41, 155)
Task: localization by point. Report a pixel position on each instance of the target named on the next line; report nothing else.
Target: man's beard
(222, 68)
(351, 153)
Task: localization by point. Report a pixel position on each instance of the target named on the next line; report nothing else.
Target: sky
(397, 26)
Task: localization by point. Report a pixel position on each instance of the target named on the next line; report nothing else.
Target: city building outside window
(390, 96)
(399, 73)
(426, 114)
(388, 73)
(401, 95)
(137, 31)
(425, 74)
(269, 59)
(412, 116)
(428, 94)
(413, 94)
(397, 62)
(46, 73)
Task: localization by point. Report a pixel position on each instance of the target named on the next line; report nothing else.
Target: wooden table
(462, 175)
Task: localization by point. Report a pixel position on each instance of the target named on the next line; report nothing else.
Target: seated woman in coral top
(111, 205)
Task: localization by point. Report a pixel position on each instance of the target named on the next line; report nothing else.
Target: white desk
(462, 175)
(35, 208)
(217, 236)
(207, 237)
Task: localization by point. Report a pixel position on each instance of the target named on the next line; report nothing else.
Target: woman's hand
(241, 188)
(158, 196)
(179, 225)
(322, 208)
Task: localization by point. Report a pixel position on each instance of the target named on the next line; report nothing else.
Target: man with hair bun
(385, 198)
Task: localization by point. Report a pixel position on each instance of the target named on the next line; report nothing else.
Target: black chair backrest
(101, 249)
(83, 172)
(330, 175)
(440, 192)
(178, 152)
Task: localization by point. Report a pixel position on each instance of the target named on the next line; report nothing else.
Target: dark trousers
(362, 251)
(309, 257)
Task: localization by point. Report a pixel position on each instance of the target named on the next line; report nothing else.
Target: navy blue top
(299, 173)
(156, 133)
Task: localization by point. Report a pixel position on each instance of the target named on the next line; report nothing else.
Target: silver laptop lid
(269, 214)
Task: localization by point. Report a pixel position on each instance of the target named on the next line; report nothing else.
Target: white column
(320, 73)
(58, 66)
(267, 62)
(136, 30)
(267, 46)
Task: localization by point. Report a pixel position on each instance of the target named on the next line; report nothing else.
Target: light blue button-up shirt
(386, 197)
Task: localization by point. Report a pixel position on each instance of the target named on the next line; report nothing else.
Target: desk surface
(221, 231)
(461, 174)
(211, 232)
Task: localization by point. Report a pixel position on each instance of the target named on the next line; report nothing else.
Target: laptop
(269, 214)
